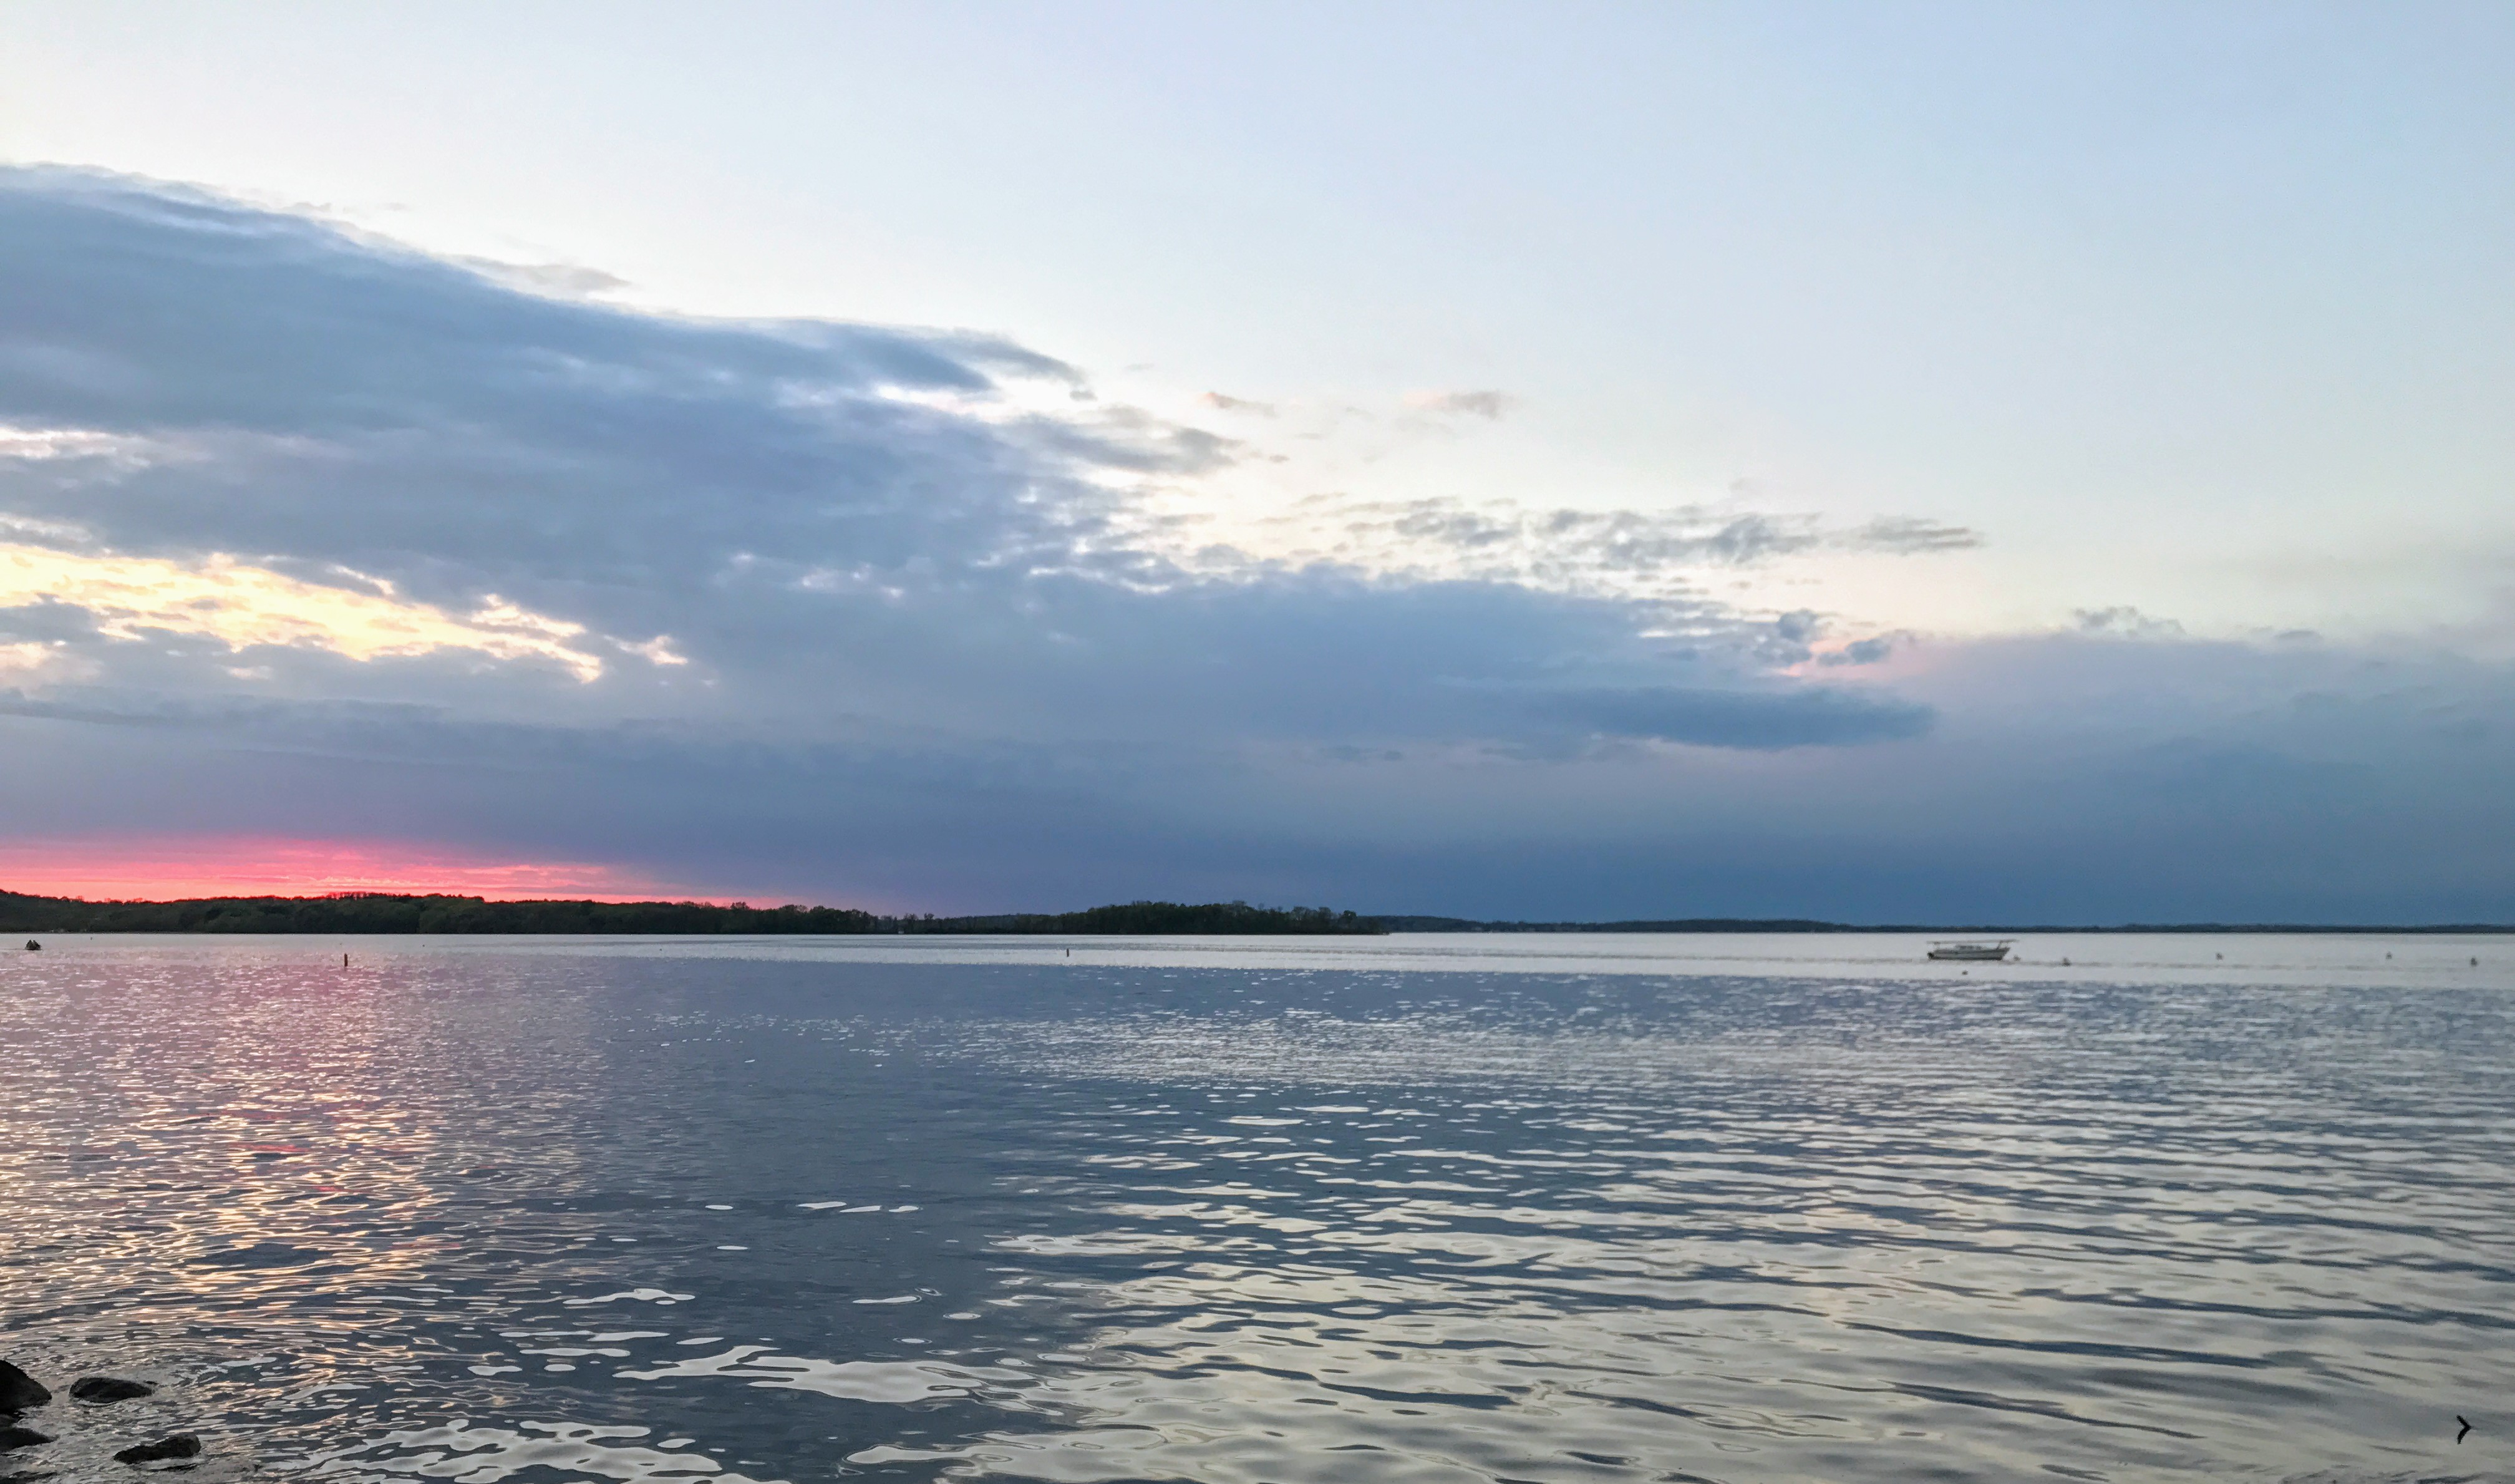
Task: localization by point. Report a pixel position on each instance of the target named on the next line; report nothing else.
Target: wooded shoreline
(386, 913)
(391, 913)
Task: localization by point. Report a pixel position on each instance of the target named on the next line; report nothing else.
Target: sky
(1938, 463)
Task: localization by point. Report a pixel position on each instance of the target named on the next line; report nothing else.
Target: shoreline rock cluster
(20, 1393)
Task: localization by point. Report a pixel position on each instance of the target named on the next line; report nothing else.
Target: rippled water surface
(1411, 1210)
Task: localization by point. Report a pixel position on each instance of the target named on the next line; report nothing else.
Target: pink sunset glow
(167, 868)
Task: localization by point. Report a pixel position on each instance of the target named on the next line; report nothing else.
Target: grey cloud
(1444, 521)
(2127, 622)
(313, 395)
(1867, 651)
(2062, 780)
(807, 509)
(137, 308)
(1565, 546)
(1220, 403)
(1561, 546)
(1799, 625)
(1763, 721)
(50, 621)
(570, 280)
(1492, 406)
(1911, 535)
(928, 658)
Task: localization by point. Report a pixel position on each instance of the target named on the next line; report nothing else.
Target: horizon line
(1700, 925)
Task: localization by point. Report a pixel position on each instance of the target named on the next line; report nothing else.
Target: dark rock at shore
(109, 1388)
(20, 1437)
(20, 1390)
(179, 1445)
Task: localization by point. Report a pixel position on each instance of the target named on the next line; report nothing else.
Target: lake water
(1422, 1209)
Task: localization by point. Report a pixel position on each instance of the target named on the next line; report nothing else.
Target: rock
(109, 1388)
(20, 1390)
(179, 1445)
(20, 1437)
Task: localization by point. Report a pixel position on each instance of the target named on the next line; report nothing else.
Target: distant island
(376, 912)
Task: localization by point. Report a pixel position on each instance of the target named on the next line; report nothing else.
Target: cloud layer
(304, 535)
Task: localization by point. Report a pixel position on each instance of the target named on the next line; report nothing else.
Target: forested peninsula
(353, 912)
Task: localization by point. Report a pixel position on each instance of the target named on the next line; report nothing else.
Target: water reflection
(485, 1454)
(550, 1215)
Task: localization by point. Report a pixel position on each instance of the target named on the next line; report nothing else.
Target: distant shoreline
(358, 913)
(1400, 924)
(361, 913)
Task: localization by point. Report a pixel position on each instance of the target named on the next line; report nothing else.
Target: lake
(1421, 1207)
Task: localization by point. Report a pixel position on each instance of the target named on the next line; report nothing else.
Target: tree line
(363, 912)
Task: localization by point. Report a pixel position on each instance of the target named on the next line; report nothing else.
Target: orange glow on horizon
(172, 868)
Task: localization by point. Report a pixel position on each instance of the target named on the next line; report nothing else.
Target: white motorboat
(1971, 951)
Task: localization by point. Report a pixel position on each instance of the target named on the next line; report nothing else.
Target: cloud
(128, 598)
(1873, 650)
(2125, 622)
(1223, 403)
(28, 658)
(1907, 535)
(1799, 625)
(2031, 779)
(567, 280)
(283, 387)
(1630, 542)
(305, 536)
(1806, 717)
(1644, 555)
(253, 427)
(1492, 406)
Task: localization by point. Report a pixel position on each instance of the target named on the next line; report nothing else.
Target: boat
(1971, 952)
